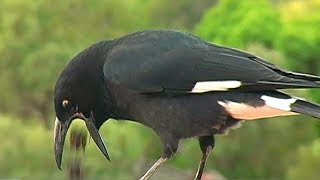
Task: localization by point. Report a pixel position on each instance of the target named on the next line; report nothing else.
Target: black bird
(175, 83)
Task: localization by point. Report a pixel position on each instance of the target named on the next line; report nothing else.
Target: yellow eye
(65, 103)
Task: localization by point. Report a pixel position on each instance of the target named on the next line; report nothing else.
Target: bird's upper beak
(61, 129)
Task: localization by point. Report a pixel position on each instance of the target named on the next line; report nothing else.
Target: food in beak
(78, 141)
(61, 129)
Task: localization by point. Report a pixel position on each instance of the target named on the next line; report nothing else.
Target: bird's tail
(287, 103)
(268, 104)
(307, 108)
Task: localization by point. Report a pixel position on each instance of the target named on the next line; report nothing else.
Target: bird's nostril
(84, 113)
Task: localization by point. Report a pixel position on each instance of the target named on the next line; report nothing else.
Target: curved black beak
(61, 129)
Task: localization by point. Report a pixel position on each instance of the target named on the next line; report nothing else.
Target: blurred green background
(39, 37)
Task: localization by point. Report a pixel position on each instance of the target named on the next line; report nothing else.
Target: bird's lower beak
(61, 129)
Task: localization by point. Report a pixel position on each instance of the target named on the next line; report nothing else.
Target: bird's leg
(206, 145)
(170, 147)
(153, 169)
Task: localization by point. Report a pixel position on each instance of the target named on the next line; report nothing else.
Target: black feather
(307, 108)
(172, 61)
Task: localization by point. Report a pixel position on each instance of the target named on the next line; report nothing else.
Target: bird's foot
(153, 169)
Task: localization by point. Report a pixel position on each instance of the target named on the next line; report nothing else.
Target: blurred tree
(40, 38)
(237, 23)
(27, 152)
(305, 163)
(181, 15)
(299, 39)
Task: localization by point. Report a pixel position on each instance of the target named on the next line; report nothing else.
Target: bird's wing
(197, 69)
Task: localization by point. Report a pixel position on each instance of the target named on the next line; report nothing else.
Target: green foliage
(42, 38)
(27, 151)
(39, 38)
(305, 163)
(238, 23)
(178, 15)
(264, 146)
(299, 38)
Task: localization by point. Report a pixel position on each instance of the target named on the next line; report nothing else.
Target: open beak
(61, 129)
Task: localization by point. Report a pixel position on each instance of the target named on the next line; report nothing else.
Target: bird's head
(78, 95)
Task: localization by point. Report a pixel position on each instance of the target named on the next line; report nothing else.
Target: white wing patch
(281, 104)
(207, 86)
